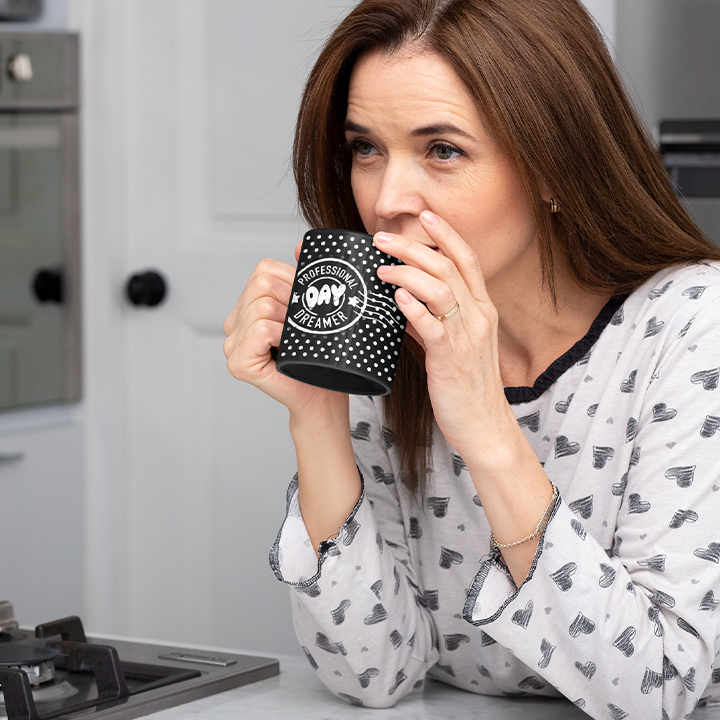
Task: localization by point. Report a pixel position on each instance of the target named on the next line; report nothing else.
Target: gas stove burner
(37, 663)
(43, 677)
(47, 693)
(7, 616)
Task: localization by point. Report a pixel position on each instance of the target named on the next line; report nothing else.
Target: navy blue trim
(496, 559)
(327, 547)
(523, 394)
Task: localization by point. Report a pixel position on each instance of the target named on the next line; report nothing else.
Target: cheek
(493, 216)
(365, 198)
(507, 206)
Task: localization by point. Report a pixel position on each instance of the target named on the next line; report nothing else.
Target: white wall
(605, 14)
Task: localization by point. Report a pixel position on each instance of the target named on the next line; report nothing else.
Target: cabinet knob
(48, 286)
(146, 288)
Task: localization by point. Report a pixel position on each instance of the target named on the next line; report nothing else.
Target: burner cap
(7, 616)
(16, 654)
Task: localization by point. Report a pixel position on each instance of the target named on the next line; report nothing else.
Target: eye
(360, 147)
(443, 151)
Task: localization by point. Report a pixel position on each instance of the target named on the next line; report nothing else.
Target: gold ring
(448, 314)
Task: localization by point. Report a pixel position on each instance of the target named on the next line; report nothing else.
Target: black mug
(343, 330)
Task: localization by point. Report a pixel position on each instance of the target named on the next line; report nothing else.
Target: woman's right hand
(319, 421)
(255, 326)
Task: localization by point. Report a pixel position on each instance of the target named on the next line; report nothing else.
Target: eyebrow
(437, 129)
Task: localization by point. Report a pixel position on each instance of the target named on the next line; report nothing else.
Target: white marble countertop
(297, 693)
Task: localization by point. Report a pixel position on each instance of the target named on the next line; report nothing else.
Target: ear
(545, 193)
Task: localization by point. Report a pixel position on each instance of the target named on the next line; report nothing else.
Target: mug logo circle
(328, 297)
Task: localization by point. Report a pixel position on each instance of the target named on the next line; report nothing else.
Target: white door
(188, 113)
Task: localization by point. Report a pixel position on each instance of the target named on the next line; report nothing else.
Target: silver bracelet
(540, 526)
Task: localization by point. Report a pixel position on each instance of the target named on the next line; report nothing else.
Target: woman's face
(418, 143)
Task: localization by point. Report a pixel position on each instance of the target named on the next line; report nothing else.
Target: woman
(551, 439)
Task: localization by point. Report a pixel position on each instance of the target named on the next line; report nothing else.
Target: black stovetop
(108, 678)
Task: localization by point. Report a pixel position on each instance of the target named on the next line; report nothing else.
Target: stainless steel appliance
(668, 53)
(20, 10)
(691, 150)
(39, 220)
(56, 672)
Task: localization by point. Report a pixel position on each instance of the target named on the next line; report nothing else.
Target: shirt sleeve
(354, 608)
(631, 632)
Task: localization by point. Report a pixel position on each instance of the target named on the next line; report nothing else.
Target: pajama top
(619, 610)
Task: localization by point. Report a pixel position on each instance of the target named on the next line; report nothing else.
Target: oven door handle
(9, 458)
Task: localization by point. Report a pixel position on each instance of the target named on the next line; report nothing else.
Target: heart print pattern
(622, 599)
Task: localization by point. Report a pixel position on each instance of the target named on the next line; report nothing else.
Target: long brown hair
(550, 96)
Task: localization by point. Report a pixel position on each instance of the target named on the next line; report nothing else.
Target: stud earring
(554, 207)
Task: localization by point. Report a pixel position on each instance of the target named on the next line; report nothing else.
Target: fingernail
(403, 296)
(383, 270)
(429, 217)
(383, 237)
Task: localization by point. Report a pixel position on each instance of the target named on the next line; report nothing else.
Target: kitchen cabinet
(41, 513)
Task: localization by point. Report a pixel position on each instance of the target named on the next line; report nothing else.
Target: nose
(399, 196)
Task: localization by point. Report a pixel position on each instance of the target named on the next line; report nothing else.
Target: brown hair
(550, 96)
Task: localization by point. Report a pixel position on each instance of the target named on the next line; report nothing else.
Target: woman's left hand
(462, 362)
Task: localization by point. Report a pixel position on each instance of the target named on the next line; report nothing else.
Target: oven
(691, 151)
(39, 220)
(55, 671)
(668, 54)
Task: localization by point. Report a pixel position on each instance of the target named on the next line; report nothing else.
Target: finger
(265, 285)
(415, 335)
(264, 308)
(435, 268)
(250, 359)
(456, 249)
(269, 279)
(427, 330)
(298, 248)
(436, 294)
